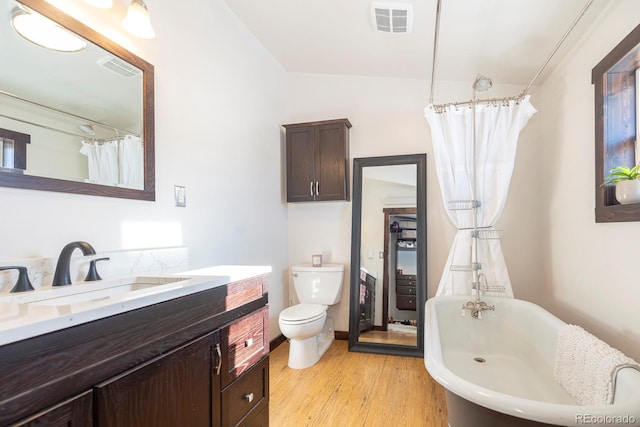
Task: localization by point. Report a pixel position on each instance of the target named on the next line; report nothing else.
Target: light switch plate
(180, 195)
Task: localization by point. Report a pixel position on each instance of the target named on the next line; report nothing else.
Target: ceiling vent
(392, 17)
(118, 66)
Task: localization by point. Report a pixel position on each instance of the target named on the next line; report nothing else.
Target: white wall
(218, 110)
(388, 119)
(591, 278)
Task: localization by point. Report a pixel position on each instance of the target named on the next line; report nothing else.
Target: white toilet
(306, 325)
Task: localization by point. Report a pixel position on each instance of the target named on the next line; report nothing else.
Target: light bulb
(138, 21)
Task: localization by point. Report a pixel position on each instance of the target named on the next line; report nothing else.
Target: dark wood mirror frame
(420, 161)
(59, 185)
(615, 85)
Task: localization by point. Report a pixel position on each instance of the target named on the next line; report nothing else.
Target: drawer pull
(219, 359)
(248, 397)
(248, 342)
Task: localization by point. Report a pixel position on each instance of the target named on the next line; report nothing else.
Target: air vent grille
(392, 17)
(118, 66)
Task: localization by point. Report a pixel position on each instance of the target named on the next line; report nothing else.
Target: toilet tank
(318, 285)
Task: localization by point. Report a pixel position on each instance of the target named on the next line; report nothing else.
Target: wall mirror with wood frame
(616, 111)
(388, 255)
(63, 113)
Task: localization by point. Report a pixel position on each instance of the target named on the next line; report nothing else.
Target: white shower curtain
(497, 129)
(118, 162)
(131, 162)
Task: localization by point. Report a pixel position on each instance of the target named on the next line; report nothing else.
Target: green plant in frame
(622, 173)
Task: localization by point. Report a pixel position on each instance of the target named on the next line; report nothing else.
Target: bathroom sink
(95, 295)
(93, 292)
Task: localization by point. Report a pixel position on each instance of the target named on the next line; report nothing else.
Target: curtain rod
(435, 49)
(526, 89)
(42, 126)
(490, 101)
(84, 119)
(555, 49)
(63, 131)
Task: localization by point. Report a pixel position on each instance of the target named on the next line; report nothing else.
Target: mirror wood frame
(420, 161)
(615, 89)
(65, 186)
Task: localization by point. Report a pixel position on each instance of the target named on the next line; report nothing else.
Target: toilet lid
(302, 312)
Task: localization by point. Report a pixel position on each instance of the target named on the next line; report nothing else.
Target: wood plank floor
(389, 337)
(354, 389)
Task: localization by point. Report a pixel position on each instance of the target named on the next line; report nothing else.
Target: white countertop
(28, 314)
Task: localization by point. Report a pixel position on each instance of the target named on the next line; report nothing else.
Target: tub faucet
(62, 277)
(477, 307)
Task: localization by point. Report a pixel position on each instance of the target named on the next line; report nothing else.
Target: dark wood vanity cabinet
(244, 369)
(317, 160)
(169, 390)
(74, 412)
(198, 360)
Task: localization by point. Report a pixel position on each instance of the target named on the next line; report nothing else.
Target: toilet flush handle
(294, 274)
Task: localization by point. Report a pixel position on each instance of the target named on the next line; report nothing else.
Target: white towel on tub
(586, 366)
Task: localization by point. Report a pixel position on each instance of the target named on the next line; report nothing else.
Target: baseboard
(342, 335)
(274, 343)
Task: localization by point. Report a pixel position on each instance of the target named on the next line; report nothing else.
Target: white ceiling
(71, 82)
(507, 40)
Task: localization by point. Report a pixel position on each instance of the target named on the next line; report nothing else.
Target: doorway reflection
(397, 318)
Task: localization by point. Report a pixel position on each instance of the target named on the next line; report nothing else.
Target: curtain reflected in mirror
(388, 284)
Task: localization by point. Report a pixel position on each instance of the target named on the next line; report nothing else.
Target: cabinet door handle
(311, 188)
(248, 342)
(317, 188)
(219, 359)
(248, 397)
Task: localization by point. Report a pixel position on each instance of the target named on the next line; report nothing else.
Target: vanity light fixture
(44, 32)
(138, 21)
(102, 4)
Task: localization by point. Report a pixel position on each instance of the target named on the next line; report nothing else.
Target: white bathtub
(515, 384)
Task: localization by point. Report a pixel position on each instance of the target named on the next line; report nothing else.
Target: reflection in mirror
(87, 115)
(388, 283)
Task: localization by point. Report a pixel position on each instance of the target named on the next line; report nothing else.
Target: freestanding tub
(498, 371)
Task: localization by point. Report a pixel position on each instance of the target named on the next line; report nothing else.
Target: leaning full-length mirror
(77, 121)
(388, 255)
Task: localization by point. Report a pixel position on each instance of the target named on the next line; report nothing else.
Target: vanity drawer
(405, 302)
(244, 342)
(247, 396)
(405, 290)
(260, 420)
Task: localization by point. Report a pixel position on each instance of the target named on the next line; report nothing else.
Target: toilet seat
(302, 313)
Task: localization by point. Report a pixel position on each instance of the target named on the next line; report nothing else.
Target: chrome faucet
(62, 276)
(477, 307)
